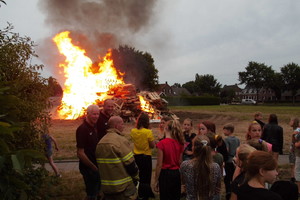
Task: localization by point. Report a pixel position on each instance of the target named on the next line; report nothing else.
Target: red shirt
(172, 152)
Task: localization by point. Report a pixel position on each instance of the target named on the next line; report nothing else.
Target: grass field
(239, 115)
(71, 185)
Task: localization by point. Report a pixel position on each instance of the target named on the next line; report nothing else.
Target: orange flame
(82, 86)
(145, 105)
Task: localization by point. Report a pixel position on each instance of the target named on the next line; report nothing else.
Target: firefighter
(118, 170)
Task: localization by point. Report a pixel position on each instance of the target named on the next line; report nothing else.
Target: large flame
(145, 105)
(82, 86)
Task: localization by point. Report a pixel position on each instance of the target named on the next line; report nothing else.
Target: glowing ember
(145, 105)
(82, 86)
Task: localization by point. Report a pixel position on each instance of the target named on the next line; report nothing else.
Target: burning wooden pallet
(129, 104)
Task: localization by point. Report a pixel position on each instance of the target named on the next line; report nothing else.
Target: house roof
(180, 91)
(234, 87)
(162, 86)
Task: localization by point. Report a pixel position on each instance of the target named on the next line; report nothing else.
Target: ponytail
(202, 166)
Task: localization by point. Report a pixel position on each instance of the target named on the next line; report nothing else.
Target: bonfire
(85, 86)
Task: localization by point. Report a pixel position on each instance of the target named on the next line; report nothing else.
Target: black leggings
(144, 163)
(169, 184)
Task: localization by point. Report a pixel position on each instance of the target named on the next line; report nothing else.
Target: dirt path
(72, 165)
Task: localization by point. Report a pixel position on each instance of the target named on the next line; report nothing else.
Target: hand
(156, 186)
(95, 168)
(135, 182)
(183, 189)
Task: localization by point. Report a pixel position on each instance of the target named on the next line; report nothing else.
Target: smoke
(95, 25)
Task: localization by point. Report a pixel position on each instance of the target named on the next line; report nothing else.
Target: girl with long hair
(273, 134)
(295, 124)
(240, 160)
(169, 157)
(143, 141)
(296, 140)
(208, 128)
(161, 127)
(261, 168)
(200, 175)
(253, 137)
(188, 137)
(254, 131)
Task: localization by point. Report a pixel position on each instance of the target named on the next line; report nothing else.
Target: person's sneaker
(58, 175)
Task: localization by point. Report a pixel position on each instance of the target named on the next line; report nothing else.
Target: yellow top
(141, 138)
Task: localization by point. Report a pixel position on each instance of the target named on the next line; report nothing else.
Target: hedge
(192, 100)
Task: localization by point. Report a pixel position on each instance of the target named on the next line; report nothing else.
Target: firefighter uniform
(118, 171)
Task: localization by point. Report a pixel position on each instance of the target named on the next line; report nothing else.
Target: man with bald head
(117, 167)
(86, 142)
(105, 114)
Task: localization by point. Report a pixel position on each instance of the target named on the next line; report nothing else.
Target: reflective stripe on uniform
(128, 156)
(116, 182)
(115, 160)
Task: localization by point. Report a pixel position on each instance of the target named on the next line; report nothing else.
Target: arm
(182, 177)
(151, 140)
(180, 158)
(82, 156)
(237, 171)
(187, 152)
(133, 171)
(297, 144)
(188, 149)
(125, 153)
(158, 168)
(227, 144)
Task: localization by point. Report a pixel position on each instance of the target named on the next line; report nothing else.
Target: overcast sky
(186, 37)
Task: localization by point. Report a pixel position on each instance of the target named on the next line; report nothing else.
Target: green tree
(291, 78)
(203, 84)
(276, 84)
(207, 84)
(177, 85)
(256, 76)
(227, 95)
(24, 104)
(54, 87)
(138, 67)
(190, 86)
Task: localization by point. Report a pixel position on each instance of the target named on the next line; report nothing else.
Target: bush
(24, 101)
(192, 100)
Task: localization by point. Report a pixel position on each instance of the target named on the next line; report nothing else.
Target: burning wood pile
(129, 104)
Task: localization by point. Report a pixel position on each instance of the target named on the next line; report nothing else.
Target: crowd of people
(192, 162)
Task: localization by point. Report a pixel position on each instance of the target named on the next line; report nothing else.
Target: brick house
(164, 89)
(263, 94)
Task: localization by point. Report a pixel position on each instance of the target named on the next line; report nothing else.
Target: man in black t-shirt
(86, 142)
(105, 114)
